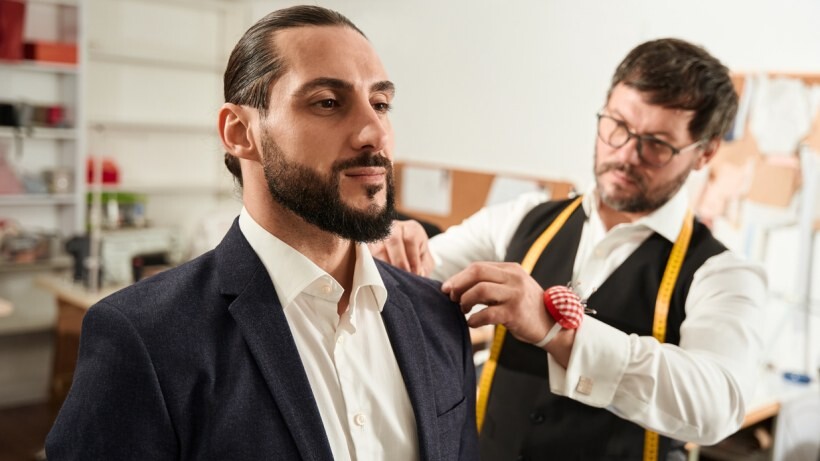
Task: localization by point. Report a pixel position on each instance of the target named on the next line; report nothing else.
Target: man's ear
(236, 128)
(708, 154)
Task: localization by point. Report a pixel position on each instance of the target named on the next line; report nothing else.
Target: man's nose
(372, 130)
(629, 152)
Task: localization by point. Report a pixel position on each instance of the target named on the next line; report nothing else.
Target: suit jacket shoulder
(432, 345)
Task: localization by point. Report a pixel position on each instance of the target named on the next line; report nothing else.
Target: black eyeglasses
(651, 150)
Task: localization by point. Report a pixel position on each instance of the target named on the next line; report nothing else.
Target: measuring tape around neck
(670, 277)
(486, 381)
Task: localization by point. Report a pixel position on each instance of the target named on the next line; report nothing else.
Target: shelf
(166, 63)
(150, 127)
(36, 199)
(39, 66)
(71, 3)
(171, 189)
(56, 263)
(39, 133)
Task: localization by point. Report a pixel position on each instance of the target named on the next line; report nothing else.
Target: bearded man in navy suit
(287, 341)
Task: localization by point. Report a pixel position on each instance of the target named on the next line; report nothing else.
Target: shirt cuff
(596, 365)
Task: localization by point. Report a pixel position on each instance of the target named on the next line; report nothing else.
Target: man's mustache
(365, 159)
(626, 169)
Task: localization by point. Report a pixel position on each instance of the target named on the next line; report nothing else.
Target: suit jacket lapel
(405, 334)
(259, 314)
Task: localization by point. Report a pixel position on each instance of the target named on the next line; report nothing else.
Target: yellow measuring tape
(670, 277)
(528, 263)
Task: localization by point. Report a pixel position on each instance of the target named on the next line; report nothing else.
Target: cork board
(468, 192)
(753, 176)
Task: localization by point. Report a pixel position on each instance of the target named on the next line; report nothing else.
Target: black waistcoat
(524, 420)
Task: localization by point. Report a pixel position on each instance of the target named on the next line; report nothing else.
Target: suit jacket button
(537, 417)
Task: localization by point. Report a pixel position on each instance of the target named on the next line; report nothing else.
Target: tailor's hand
(513, 299)
(405, 248)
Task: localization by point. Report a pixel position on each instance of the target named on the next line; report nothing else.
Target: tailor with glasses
(671, 353)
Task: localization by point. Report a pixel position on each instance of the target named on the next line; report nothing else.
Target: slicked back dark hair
(676, 74)
(255, 63)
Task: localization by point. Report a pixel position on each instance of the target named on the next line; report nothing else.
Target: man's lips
(371, 174)
(622, 177)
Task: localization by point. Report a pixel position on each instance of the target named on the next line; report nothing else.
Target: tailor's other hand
(405, 248)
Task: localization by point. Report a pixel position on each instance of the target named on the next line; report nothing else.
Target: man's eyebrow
(323, 82)
(655, 134)
(385, 86)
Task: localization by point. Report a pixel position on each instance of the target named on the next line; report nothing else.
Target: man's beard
(642, 201)
(318, 200)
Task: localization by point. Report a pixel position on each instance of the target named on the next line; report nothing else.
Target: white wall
(514, 85)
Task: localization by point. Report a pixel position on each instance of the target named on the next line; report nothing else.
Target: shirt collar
(367, 274)
(293, 273)
(666, 220)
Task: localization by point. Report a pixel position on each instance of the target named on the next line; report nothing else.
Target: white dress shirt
(696, 391)
(348, 359)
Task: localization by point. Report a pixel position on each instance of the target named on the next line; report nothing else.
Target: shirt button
(537, 417)
(326, 289)
(360, 419)
(340, 340)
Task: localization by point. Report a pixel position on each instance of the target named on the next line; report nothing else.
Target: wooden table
(772, 391)
(73, 301)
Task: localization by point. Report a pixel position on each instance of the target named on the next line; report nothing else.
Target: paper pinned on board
(504, 189)
(426, 190)
(743, 108)
(781, 114)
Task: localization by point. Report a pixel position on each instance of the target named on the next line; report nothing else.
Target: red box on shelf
(12, 14)
(110, 170)
(51, 51)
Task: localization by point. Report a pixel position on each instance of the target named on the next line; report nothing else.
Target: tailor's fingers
(394, 247)
(486, 293)
(415, 247)
(473, 274)
(378, 250)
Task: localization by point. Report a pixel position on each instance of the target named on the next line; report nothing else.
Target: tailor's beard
(317, 199)
(644, 199)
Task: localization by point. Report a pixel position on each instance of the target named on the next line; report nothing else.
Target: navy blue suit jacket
(198, 363)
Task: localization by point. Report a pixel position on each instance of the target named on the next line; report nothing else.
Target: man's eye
(654, 145)
(382, 107)
(328, 104)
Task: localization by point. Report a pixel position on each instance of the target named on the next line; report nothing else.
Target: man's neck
(333, 254)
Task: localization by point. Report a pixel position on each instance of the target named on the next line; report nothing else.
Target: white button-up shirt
(348, 359)
(696, 391)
